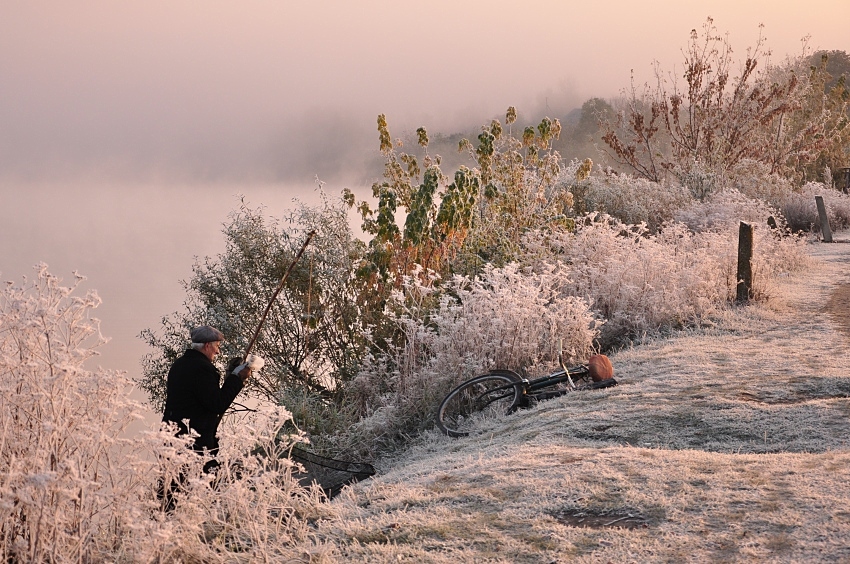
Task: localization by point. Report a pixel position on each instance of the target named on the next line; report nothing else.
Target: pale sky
(287, 90)
(128, 127)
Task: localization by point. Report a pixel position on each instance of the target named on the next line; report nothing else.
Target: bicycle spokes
(491, 394)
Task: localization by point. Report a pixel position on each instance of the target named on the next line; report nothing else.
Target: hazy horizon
(217, 92)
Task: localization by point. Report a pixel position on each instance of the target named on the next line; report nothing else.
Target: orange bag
(600, 368)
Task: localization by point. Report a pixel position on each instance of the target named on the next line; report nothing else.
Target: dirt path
(838, 307)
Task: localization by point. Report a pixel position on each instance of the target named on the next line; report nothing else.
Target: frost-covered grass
(75, 487)
(724, 443)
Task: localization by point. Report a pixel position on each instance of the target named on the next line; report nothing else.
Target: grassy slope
(723, 443)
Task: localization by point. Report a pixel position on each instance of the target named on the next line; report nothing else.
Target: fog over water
(133, 243)
(128, 129)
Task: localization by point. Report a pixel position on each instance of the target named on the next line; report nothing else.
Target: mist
(287, 91)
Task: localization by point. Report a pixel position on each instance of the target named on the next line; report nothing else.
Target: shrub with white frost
(504, 318)
(775, 250)
(639, 282)
(75, 486)
(630, 199)
(61, 450)
(800, 209)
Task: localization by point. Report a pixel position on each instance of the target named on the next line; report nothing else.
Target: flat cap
(206, 334)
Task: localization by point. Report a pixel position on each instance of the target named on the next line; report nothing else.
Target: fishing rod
(274, 296)
(256, 362)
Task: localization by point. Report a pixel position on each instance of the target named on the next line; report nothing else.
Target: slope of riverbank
(727, 442)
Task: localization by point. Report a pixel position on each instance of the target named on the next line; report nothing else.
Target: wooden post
(824, 220)
(745, 263)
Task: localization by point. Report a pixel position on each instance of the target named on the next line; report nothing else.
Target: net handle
(274, 296)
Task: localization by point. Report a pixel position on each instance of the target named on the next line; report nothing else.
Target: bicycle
(502, 392)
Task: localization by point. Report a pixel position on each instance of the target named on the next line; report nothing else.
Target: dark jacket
(193, 393)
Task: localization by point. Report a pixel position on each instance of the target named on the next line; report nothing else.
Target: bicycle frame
(530, 388)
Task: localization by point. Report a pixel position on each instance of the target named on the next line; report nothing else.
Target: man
(193, 392)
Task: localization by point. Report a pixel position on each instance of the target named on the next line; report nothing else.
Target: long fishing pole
(274, 296)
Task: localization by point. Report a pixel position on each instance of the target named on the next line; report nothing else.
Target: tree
(836, 65)
(718, 119)
(829, 96)
(594, 113)
(438, 211)
(478, 215)
(314, 334)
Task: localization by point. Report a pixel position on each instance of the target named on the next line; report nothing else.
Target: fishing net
(329, 474)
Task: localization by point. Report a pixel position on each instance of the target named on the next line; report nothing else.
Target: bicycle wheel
(494, 393)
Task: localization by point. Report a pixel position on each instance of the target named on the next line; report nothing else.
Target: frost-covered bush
(61, 452)
(754, 180)
(504, 318)
(630, 199)
(797, 205)
(640, 282)
(724, 211)
(76, 486)
(801, 211)
(251, 508)
(314, 335)
(508, 318)
(774, 250)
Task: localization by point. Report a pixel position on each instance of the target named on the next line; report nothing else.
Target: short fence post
(745, 264)
(824, 220)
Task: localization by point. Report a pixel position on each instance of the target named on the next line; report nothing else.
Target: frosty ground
(725, 442)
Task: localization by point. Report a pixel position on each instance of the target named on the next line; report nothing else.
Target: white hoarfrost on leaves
(801, 211)
(508, 318)
(61, 424)
(640, 281)
(503, 318)
(632, 200)
(74, 486)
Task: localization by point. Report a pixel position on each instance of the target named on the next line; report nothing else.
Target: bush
(631, 200)
(74, 486)
(313, 337)
(640, 282)
(801, 211)
(723, 212)
(754, 180)
(775, 250)
(505, 318)
(780, 116)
